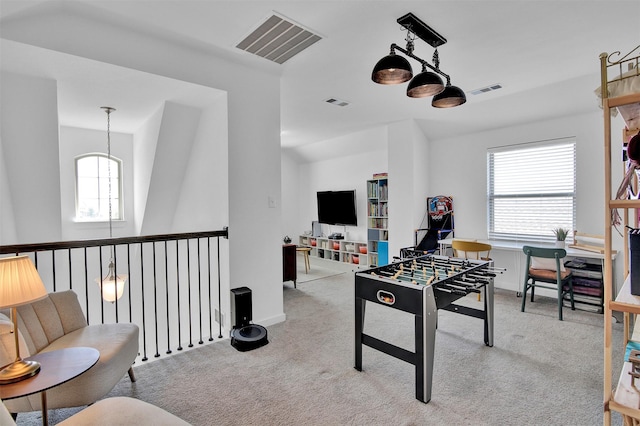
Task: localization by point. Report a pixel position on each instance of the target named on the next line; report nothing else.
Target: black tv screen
(337, 207)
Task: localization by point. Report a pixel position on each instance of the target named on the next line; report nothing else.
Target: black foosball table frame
(421, 286)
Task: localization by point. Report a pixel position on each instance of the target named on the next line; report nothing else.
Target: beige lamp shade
(20, 282)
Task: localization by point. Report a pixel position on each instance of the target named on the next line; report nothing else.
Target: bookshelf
(344, 251)
(378, 220)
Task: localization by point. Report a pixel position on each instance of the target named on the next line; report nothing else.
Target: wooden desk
(56, 368)
(445, 244)
(509, 255)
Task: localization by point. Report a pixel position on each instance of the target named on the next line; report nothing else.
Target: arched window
(92, 187)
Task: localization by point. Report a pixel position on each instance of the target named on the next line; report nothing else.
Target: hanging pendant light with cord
(112, 285)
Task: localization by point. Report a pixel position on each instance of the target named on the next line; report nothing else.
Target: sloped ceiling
(543, 53)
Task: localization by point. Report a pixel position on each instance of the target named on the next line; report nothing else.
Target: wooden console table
(289, 265)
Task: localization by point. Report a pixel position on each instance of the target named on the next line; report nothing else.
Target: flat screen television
(337, 207)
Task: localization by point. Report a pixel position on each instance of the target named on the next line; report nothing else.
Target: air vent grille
(337, 102)
(278, 39)
(486, 89)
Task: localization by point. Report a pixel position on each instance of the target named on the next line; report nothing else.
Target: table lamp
(19, 284)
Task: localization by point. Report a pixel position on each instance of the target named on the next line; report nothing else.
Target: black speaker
(241, 306)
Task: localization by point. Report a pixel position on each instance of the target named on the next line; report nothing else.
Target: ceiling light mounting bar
(422, 61)
(415, 25)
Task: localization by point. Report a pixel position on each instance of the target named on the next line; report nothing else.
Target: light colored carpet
(321, 268)
(540, 371)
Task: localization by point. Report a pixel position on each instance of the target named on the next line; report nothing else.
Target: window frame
(560, 145)
(116, 197)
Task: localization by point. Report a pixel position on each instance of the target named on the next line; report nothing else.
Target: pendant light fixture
(112, 285)
(392, 69)
(395, 69)
(451, 96)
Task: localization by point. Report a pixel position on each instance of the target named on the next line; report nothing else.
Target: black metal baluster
(101, 304)
(209, 278)
(155, 299)
(115, 284)
(199, 293)
(53, 268)
(219, 295)
(189, 292)
(86, 285)
(178, 293)
(144, 328)
(130, 280)
(70, 273)
(166, 293)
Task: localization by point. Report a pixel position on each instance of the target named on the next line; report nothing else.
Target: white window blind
(92, 188)
(531, 190)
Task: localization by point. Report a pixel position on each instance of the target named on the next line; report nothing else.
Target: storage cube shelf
(345, 251)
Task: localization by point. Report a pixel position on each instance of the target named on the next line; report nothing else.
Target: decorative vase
(560, 244)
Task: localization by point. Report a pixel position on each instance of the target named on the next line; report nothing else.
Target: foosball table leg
(425, 330)
(359, 327)
(488, 312)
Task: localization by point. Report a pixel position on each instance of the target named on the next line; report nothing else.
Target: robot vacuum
(244, 335)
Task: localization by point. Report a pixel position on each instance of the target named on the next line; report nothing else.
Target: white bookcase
(378, 220)
(345, 251)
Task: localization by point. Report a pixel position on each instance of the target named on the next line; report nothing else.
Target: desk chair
(471, 250)
(545, 265)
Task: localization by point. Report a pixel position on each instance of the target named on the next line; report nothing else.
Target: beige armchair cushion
(123, 411)
(58, 322)
(112, 412)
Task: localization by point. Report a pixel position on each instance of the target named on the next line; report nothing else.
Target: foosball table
(421, 286)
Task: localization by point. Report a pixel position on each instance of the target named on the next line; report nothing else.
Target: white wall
(170, 158)
(465, 178)
(75, 142)
(341, 173)
(408, 155)
(201, 206)
(254, 150)
(290, 185)
(145, 141)
(29, 138)
(457, 167)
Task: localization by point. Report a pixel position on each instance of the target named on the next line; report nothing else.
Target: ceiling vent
(278, 39)
(337, 102)
(486, 89)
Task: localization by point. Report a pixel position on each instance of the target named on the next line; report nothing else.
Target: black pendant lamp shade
(451, 96)
(425, 84)
(392, 69)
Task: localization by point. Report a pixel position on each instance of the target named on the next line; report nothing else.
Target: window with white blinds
(531, 190)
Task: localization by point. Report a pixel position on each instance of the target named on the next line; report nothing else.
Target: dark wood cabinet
(289, 267)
